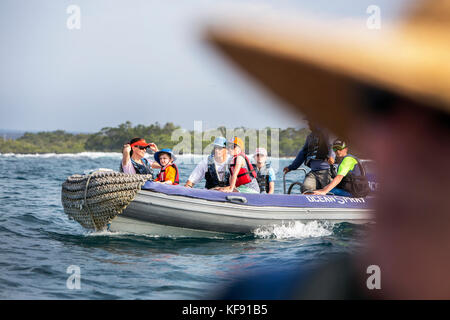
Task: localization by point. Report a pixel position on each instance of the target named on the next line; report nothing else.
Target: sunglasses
(141, 147)
(337, 148)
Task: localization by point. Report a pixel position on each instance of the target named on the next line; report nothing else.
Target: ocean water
(38, 243)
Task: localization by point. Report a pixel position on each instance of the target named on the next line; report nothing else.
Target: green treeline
(111, 139)
(45, 142)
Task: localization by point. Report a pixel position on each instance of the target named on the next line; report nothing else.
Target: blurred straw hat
(318, 71)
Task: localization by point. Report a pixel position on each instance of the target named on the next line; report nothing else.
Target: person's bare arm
(330, 186)
(189, 184)
(153, 147)
(237, 168)
(271, 187)
(155, 165)
(126, 154)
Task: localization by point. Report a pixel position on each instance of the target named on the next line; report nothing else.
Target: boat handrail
(284, 177)
(236, 199)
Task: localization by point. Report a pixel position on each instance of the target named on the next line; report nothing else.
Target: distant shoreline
(101, 153)
(289, 141)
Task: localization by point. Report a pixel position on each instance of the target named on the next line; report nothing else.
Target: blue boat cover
(264, 200)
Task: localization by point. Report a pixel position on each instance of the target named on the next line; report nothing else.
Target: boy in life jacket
(169, 170)
(242, 173)
(350, 179)
(264, 172)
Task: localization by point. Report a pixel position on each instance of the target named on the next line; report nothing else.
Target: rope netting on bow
(93, 200)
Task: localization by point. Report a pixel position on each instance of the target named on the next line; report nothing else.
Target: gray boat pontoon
(153, 212)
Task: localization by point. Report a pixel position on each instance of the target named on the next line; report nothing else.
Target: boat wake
(124, 234)
(295, 230)
(291, 230)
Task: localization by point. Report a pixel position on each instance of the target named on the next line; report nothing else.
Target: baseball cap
(262, 151)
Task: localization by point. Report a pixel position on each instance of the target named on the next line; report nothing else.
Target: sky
(137, 60)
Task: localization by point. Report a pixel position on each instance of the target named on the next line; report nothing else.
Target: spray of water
(296, 230)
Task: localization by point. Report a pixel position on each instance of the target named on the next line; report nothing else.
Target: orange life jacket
(245, 175)
(162, 174)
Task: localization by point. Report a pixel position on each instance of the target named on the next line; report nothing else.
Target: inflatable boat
(176, 210)
(134, 204)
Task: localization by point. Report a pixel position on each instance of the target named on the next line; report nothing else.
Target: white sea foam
(291, 230)
(295, 229)
(106, 233)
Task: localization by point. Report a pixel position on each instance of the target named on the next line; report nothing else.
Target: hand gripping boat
(154, 208)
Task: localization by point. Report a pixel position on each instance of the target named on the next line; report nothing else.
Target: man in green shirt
(350, 179)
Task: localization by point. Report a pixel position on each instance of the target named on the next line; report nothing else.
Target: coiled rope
(93, 200)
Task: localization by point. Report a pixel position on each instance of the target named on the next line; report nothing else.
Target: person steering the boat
(214, 169)
(264, 171)
(242, 173)
(169, 171)
(317, 154)
(133, 157)
(350, 179)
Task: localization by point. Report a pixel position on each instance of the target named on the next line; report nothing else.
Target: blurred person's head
(393, 107)
(313, 126)
(412, 222)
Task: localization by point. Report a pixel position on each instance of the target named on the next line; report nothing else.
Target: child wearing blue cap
(169, 170)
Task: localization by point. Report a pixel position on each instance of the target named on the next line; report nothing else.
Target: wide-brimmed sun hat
(318, 68)
(166, 150)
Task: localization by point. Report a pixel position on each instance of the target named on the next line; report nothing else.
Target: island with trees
(112, 139)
